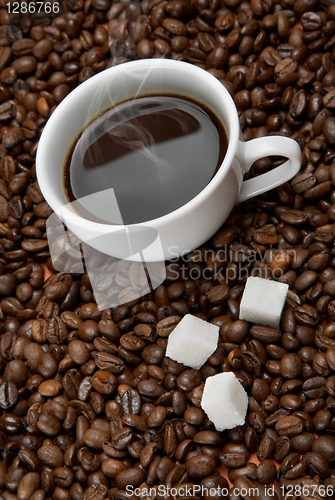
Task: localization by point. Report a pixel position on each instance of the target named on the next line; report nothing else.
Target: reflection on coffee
(156, 152)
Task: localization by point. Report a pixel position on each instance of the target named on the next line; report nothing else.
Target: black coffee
(156, 153)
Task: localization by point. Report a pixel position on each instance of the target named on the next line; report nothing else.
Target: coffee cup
(192, 224)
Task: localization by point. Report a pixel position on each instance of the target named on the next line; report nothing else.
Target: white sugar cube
(224, 401)
(192, 341)
(263, 301)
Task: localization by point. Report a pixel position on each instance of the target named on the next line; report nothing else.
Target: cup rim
(42, 159)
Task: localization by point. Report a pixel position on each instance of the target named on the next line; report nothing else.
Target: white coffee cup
(195, 222)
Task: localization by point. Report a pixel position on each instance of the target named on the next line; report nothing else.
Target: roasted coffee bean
(200, 466)
(324, 446)
(265, 334)
(50, 388)
(8, 395)
(94, 438)
(133, 475)
(79, 352)
(266, 471)
(7, 110)
(24, 65)
(165, 326)
(266, 448)
(317, 463)
(49, 425)
(289, 426)
(56, 331)
(29, 484)
(104, 382)
(50, 455)
(290, 366)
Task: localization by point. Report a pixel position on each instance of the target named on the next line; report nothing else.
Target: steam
(123, 130)
(136, 149)
(130, 86)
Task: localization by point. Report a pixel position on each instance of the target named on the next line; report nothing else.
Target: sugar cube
(263, 301)
(192, 341)
(225, 401)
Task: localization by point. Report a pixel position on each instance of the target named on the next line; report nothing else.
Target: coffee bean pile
(89, 403)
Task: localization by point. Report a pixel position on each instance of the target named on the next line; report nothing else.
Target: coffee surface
(157, 153)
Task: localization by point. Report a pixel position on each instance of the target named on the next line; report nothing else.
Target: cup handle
(269, 146)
